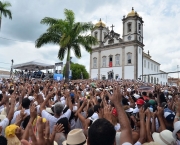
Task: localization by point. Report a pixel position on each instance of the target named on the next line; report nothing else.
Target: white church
(115, 57)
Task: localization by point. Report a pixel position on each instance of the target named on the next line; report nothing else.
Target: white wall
(129, 72)
(94, 73)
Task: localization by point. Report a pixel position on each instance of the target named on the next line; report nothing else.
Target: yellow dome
(132, 13)
(100, 23)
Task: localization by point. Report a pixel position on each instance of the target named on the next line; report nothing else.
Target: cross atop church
(112, 26)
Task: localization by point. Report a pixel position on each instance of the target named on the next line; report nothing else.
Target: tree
(76, 71)
(69, 35)
(4, 11)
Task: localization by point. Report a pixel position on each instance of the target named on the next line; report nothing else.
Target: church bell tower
(133, 27)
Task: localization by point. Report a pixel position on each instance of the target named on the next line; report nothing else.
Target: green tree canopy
(69, 35)
(76, 71)
(5, 11)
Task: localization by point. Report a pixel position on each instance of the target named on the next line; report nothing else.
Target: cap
(140, 102)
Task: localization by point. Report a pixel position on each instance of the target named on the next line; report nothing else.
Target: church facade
(115, 57)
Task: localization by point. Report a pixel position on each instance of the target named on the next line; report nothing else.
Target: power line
(15, 40)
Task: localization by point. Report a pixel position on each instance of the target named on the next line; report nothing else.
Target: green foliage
(76, 71)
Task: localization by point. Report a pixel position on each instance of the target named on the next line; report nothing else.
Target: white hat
(75, 136)
(129, 110)
(31, 98)
(136, 96)
(165, 137)
(49, 110)
(176, 128)
(129, 90)
(0, 92)
(2, 117)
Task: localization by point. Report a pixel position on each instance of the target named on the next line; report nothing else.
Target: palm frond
(70, 18)
(47, 38)
(64, 41)
(7, 13)
(6, 4)
(77, 50)
(49, 21)
(61, 53)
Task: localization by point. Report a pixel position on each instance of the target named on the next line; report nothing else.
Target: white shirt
(4, 124)
(137, 143)
(52, 120)
(27, 111)
(117, 127)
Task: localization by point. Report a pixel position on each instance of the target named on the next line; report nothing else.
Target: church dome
(132, 13)
(100, 23)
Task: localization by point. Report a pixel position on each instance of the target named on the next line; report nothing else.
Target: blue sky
(161, 28)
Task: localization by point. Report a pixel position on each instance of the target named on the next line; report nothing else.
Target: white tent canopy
(33, 65)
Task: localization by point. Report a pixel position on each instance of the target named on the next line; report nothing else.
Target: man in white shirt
(58, 108)
(25, 105)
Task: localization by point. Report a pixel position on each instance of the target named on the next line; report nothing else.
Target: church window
(95, 34)
(117, 57)
(129, 58)
(139, 28)
(139, 50)
(157, 68)
(129, 27)
(148, 65)
(104, 61)
(145, 63)
(154, 67)
(95, 62)
(151, 66)
(110, 61)
(139, 38)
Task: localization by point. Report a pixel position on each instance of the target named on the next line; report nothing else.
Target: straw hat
(49, 110)
(75, 136)
(165, 137)
(176, 128)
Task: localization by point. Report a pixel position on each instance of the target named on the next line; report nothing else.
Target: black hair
(96, 108)
(125, 101)
(90, 112)
(1, 96)
(25, 103)
(41, 88)
(64, 121)
(3, 140)
(101, 132)
(25, 122)
(144, 93)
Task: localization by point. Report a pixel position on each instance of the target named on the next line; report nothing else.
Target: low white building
(116, 57)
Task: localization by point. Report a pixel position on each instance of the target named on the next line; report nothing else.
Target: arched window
(94, 62)
(95, 35)
(129, 58)
(104, 61)
(117, 59)
(129, 27)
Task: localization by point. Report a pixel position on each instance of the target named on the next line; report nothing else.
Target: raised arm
(126, 133)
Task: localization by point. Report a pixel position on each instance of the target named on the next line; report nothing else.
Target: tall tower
(133, 37)
(133, 27)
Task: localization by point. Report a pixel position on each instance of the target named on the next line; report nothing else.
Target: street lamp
(12, 61)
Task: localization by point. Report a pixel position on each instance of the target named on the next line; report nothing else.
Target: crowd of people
(88, 112)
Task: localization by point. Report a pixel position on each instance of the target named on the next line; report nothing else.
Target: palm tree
(4, 11)
(69, 35)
